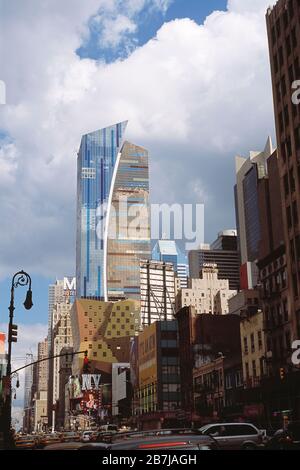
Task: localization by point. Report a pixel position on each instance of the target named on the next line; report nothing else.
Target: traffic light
(282, 373)
(86, 363)
(13, 333)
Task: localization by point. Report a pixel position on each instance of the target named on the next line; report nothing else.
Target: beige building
(253, 348)
(62, 338)
(40, 411)
(42, 367)
(208, 294)
(104, 329)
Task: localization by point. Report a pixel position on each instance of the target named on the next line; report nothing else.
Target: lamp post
(21, 278)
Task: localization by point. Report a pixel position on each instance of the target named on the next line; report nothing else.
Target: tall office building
(222, 252)
(28, 412)
(40, 389)
(248, 173)
(284, 46)
(42, 367)
(55, 295)
(113, 217)
(168, 252)
(62, 338)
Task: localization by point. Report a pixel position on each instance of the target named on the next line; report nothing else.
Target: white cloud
(115, 29)
(195, 96)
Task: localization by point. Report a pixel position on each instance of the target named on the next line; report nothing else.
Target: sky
(191, 76)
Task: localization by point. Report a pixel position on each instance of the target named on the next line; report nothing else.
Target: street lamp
(21, 278)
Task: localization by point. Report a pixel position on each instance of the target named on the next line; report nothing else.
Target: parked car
(103, 436)
(235, 436)
(70, 436)
(25, 442)
(47, 439)
(86, 436)
(65, 446)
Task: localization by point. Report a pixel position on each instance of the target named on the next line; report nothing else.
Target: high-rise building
(222, 252)
(42, 367)
(61, 294)
(209, 294)
(158, 289)
(39, 389)
(227, 241)
(284, 46)
(168, 252)
(65, 371)
(28, 412)
(55, 296)
(62, 338)
(113, 217)
(272, 268)
(248, 173)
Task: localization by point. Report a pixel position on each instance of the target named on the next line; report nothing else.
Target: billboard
(147, 351)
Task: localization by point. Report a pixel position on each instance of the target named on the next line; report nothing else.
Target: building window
(254, 372)
(245, 345)
(252, 343)
(247, 370)
(260, 343)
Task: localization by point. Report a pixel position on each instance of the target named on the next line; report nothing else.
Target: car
(47, 439)
(103, 436)
(65, 446)
(70, 436)
(86, 436)
(25, 442)
(235, 436)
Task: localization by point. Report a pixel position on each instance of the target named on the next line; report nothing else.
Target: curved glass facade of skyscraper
(112, 200)
(129, 219)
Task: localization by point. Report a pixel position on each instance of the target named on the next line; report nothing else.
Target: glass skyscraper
(168, 252)
(113, 215)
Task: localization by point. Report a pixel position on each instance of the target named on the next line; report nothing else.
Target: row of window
(274, 283)
(283, 21)
(257, 368)
(253, 347)
(280, 345)
(277, 315)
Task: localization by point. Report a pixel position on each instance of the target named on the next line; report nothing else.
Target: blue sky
(148, 25)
